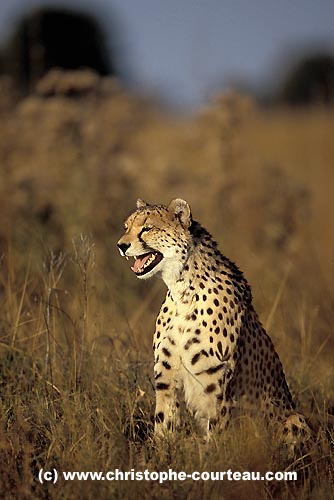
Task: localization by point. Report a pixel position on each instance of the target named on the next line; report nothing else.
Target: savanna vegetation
(76, 367)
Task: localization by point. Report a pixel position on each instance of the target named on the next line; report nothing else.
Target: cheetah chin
(146, 262)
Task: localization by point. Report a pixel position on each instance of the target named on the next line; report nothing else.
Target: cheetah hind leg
(296, 434)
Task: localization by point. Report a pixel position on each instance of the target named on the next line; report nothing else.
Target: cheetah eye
(146, 228)
(125, 226)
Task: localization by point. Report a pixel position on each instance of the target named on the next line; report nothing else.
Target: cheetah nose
(123, 247)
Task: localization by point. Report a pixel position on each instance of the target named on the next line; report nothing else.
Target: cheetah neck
(172, 275)
(182, 279)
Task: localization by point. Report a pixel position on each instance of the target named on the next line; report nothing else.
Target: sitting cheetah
(208, 341)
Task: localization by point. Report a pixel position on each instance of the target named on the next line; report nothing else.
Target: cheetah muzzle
(206, 324)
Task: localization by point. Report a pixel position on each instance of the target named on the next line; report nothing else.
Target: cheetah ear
(181, 210)
(141, 203)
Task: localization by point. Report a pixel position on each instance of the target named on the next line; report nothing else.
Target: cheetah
(208, 342)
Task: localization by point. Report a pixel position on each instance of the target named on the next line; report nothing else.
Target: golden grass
(76, 327)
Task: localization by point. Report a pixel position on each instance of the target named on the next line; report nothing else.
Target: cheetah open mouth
(146, 262)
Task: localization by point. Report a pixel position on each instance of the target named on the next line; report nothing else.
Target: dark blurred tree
(51, 38)
(311, 81)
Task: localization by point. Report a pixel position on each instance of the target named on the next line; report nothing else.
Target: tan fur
(208, 341)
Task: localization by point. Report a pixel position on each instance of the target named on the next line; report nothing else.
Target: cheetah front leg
(212, 397)
(167, 412)
(221, 393)
(166, 375)
(225, 402)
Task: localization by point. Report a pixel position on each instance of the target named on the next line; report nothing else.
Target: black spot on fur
(195, 358)
(160, 417)
(210, 388)
(213, 369)
(190, 342)
(161, 386)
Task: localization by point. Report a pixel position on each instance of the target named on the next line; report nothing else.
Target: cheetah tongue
(141, 261)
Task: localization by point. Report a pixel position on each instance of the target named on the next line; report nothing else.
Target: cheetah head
(158, 238)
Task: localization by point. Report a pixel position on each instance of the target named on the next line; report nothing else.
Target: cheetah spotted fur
(208, 340)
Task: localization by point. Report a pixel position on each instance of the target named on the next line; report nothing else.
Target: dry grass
(76, 327)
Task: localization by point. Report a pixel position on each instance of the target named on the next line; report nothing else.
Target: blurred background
(226, 104)
(180, 53)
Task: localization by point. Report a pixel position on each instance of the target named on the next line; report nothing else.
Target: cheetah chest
(197, 352)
